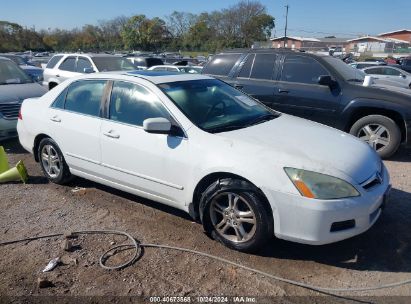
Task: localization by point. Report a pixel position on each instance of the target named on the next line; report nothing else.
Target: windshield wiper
(261, 119)
(226, 128)
(356, 80)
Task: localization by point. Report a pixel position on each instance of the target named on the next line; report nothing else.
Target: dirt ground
(381, 255)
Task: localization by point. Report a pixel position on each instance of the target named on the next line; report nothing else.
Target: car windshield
(10, 73)
(108, 64)
(348, 72)
(214, 106)
(16, 59)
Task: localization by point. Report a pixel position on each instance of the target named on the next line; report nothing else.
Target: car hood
(290, 141)
(19, 92)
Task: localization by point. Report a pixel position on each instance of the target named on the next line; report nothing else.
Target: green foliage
(237, 26)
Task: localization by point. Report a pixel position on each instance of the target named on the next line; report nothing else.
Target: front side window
(215, 106)
(132, 104)
(108, 64)
(85, 97)
(83, 63)
(391, 72)
(69, 64)
(302, 70)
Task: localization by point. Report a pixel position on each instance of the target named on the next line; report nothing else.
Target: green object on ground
(4, 162)
(17, 173)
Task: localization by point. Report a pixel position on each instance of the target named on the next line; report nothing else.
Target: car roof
(155, 77)
(4, 58)
(271, 50)
(87, 54)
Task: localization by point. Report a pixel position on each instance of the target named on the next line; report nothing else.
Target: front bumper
(8, 128)
(312, 221)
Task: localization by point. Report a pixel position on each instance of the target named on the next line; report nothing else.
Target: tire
(52, 162)
(380, 132)
(247, 220)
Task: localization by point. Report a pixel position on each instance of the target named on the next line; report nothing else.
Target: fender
(222, 185)
(370, 103)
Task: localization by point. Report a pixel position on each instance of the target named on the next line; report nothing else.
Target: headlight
(315, 185)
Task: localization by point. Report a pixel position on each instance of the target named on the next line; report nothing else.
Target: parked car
(34, 72)
(406, 64)
(390, 73)
(195, 143)
(143, 63)
(365, 64)
(177, 69)
(320, 88)
(15, 85)
(65, 66)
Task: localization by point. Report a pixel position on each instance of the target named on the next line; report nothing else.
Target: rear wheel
(52, 162)
(380, 132)
(238, 219)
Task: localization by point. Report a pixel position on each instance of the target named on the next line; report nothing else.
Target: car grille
(10, 110)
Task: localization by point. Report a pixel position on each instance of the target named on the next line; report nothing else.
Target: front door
(154, 165)
(300, 94)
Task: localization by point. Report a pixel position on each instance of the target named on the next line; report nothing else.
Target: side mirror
(158, 125)
(403, 75)
(326, 80)
(88, 70)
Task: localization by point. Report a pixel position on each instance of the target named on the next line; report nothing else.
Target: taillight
(20, 116)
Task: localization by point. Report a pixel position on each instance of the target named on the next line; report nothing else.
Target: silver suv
(65, 66)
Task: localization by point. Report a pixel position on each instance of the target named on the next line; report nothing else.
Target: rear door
(257, 77)
(75, 121)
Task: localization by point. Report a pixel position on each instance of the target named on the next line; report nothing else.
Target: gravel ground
(381, 255)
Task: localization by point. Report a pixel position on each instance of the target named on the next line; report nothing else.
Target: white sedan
(195, 143)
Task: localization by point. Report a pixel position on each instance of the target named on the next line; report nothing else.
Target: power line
(325, 33)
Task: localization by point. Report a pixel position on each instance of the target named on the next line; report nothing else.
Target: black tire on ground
(64, 175)
(392, 132)
(247, 199)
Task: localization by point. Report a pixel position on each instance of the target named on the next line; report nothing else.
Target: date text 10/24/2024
(203, 299)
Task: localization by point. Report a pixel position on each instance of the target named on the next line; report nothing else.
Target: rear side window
(302, 69)
(374, 71)
(246, 69)
(69, 64)
(221, 65)
(53, 61)
(85, 97)
(132, 104)
(59, 102)
(263, 67)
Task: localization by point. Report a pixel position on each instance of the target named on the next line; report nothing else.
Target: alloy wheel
(51, 161)
(232, 217)
(376, 135)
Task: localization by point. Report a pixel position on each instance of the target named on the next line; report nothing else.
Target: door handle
(57, 75)
(55, 119)
(283, 91)
(111, 134)
(238, 86)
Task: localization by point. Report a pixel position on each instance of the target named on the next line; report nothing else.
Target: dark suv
(319, 88)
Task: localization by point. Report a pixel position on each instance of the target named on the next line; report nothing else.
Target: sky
(308, 18)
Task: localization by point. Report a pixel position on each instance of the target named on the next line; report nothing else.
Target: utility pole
(286, 24)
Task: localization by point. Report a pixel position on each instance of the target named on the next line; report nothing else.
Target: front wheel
(380, 132)
(238, 219)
